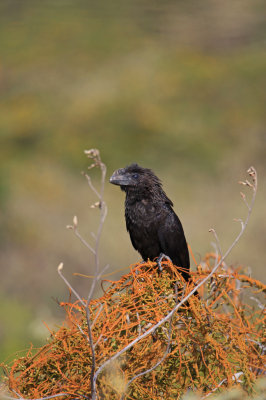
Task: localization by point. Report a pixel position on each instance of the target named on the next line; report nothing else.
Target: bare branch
(83, 240)
(97, 315)
(82, 332)
(93, 357)
(93, 154)
(59, 270)
(102, 271)
(217, 240)
(91, 185)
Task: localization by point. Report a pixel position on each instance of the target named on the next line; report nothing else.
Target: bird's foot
(159, 260)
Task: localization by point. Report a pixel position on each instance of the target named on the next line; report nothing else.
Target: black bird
(155, 230)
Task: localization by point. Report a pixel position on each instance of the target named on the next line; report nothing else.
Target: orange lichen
(213, 338)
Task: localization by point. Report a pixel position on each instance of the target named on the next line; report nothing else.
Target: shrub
(210, 343)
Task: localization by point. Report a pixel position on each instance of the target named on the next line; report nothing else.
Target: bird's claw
(159, 260)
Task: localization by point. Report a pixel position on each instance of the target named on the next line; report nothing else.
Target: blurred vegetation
(176, 86)
(235, 393)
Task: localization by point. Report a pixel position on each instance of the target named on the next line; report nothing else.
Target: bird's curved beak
(119, 178)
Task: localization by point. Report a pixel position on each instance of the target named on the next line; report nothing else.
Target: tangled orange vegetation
(210, 343)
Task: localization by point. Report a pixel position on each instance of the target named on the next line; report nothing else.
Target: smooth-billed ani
(155, 230)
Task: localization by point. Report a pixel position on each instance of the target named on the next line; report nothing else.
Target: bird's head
(138, 182)
(128, 177)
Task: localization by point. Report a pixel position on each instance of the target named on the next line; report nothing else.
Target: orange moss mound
(215, 340)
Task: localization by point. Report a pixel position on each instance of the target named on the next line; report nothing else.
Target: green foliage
(62, 89)
(16, 331)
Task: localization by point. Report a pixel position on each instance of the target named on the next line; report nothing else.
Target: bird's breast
(142, 214)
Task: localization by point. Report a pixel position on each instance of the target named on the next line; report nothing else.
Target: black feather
(153, 226)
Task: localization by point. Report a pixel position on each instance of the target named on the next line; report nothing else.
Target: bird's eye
(135, 176)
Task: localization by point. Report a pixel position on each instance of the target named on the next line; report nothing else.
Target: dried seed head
(96, 205)
(75, 221)
(60, 267)
(252, 173)
(92, 153)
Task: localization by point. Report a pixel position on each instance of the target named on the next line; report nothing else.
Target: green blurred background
(177, 86)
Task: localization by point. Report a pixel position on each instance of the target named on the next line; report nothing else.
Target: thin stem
(59, 270)
(93, 357)
(217, 241)
(92, 186)
(83, 240)
(95, 155)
